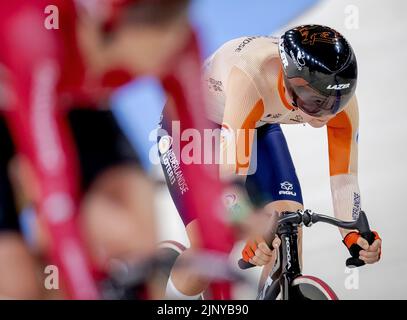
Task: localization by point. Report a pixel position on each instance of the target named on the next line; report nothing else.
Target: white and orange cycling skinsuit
(246, 91)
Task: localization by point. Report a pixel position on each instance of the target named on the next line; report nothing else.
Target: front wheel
(311, 288)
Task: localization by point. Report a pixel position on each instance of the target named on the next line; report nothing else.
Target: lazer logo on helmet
(338, 86)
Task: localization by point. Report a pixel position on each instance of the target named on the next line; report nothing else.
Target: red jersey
(48, 76)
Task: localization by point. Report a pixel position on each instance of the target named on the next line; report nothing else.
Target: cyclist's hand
(257, 252)
(368, 253)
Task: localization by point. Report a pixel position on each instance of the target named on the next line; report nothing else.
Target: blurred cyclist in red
(60, 64)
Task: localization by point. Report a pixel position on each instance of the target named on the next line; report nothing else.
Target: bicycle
(285, 281)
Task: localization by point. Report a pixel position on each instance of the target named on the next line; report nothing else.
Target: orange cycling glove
(250, 248)
(352, 238)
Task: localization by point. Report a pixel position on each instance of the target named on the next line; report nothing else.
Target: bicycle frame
(288, 265)
(289, 258)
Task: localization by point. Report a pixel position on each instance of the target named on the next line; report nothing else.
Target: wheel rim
(309, 287)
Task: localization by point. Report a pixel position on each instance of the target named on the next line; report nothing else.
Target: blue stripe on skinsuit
(275, 177)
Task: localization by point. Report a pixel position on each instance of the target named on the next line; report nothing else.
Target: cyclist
(254, 84)
(73, 155)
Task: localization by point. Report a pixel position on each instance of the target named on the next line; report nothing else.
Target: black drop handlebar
(307, 218)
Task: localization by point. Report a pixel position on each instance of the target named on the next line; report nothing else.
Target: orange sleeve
(243, 108)
(342, 140)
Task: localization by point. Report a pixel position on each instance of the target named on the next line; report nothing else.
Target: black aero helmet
(320, 69)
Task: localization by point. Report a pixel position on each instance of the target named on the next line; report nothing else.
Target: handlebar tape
(244, 264)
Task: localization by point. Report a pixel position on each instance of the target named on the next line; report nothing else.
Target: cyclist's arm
(243, 108)
(343, 162)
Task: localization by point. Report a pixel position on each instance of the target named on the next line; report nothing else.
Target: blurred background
(376, 30)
